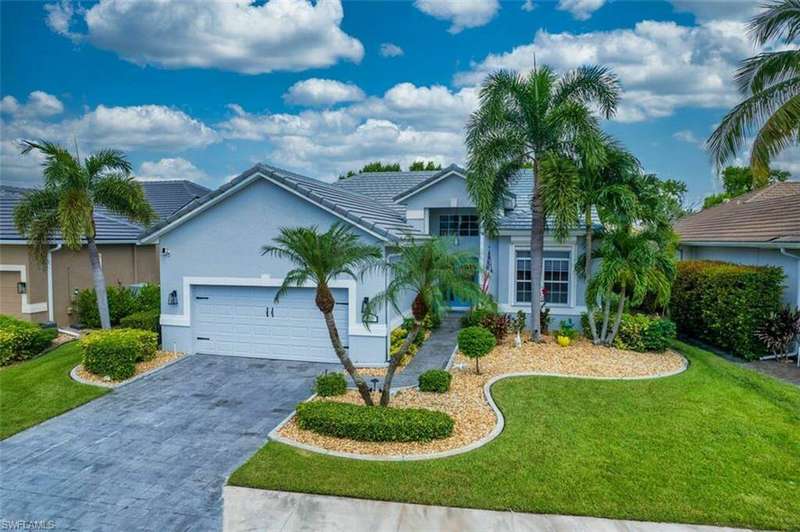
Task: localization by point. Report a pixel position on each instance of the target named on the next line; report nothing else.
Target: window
(458, 225)
(555, 276)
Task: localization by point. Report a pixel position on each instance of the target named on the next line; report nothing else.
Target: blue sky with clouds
(202, 90)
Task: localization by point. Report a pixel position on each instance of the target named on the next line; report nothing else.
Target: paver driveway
(154, 454)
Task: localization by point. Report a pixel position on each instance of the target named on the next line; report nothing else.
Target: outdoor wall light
(22, 288)
(172, 298)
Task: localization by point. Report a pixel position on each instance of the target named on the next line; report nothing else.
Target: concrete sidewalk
(247, 509)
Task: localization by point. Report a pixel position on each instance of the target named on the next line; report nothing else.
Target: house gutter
(797, 301)
(50, 302)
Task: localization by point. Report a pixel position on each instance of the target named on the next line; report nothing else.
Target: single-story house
(36, 292)
(218, 290)
(759, 228)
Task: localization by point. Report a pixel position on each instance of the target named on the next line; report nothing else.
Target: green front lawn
(717, 444)
(38, 389)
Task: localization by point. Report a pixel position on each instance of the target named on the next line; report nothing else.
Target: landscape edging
(112, 385)
(275, 435)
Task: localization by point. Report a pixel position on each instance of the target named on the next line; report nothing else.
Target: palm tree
(521, 120)
(66, 204)
(770, 85)
(598, 180)
(430, 271)
(633, 264)
(319, 259)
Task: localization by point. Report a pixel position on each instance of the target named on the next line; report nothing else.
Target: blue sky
(203, 90)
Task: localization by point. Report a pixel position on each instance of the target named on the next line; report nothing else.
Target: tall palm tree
(770, 85)
(597, 180)
(319, 259)
(521, 120)
(431, 271)
(634, 263)
(66, 204)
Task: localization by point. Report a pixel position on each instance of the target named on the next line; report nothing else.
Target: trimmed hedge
(725, 304)
(373, 423)
(329, 384)
(115, 352)
(21, 340)
(435, 380)
(122, 302)
(146, 320)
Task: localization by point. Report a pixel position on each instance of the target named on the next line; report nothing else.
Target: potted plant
(566, 333)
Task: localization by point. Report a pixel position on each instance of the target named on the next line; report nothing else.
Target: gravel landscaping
(162, 358)
(466, 402)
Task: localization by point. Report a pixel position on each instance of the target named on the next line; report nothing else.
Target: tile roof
(769, 215)
(358, 208)
(164, 196)
(383, 186)
(431, 179)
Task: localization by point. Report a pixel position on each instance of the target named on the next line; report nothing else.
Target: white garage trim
(27, 308)
(184, 320)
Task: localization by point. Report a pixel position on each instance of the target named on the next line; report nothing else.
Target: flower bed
(466, 403)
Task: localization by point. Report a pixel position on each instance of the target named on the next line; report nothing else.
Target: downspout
(797, 298)
(50, 301)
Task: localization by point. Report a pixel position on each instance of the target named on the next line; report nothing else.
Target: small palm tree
(319, 259)
(66, 204)
(521, 120)
(634, 263)
(770, 85)
(431, 271)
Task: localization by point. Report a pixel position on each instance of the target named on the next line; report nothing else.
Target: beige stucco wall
(123, 264)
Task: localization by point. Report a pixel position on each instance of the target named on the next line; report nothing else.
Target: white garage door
(245, 321)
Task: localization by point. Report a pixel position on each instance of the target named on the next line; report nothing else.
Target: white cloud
(170, 168)
(662, 65)
(15, 167)
(407, 123)
(707, 10)
(59, 18)
(528, 5)
(462, 14)
(580, 9)
(389, 49)
(686, 135)
(239, 36)
(39, 104)
(316, 91)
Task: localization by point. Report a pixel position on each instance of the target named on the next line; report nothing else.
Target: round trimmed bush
(329, 384)
(435, 380)
(373, 423)
(21, 340)
(115, 352)
(476, 342)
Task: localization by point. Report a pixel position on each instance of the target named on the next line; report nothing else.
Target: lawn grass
(38, 389)
(717, 444)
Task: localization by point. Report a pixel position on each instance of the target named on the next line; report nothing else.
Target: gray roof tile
(383, 186)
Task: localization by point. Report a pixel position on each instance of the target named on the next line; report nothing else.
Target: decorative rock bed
(476, 418)
(162, 358)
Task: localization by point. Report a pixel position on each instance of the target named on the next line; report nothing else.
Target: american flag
(487, 272)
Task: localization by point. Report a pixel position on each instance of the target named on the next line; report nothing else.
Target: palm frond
(106, 161)
(778, 133)
(779, 20)
(588, 85)
(36, 218)
(122, 195)
(765, 69)
(559, 182)
(75, 216)
(60, 168)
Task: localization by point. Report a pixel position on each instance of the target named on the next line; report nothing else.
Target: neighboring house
(37, 292)
(218, 290)
(758, 228)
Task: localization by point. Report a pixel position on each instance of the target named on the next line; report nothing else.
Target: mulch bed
(466, 403)
(161, 358)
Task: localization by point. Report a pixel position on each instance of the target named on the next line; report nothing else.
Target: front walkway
(153, 454)
(248, 509)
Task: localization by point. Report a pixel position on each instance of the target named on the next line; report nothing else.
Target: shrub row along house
(218, 291)
(36, 292)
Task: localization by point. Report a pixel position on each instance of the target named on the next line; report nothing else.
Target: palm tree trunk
(606, 314)
(99, 284)
(395, 361)
(618, 317)
(537, 250)
(588, 273)
(344, 358)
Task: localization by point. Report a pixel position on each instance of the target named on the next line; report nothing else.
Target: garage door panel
(245, 321)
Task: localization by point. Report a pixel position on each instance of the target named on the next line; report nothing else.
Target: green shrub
(474, 317)
(21, 340)
(329, 384)
(435, 380)
(372, 423)
(122, 302)
(637, 332)
(566, 328)
(725, 304)
(496, 322)
(476, 342)
(144, 319)
(115, 352)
